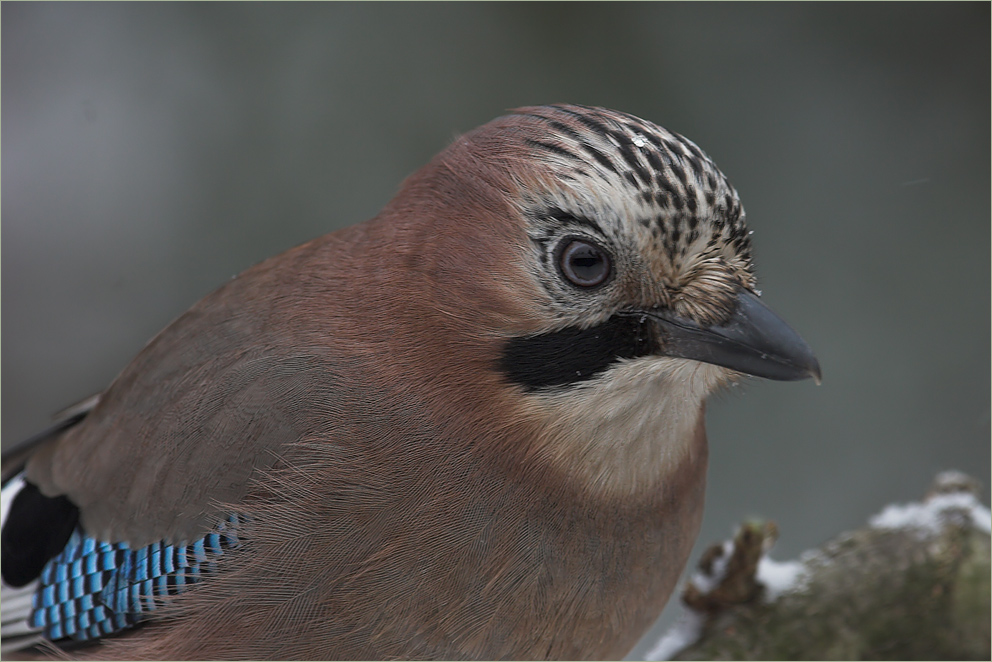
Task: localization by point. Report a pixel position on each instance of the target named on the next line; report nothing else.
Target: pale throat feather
(630, 429)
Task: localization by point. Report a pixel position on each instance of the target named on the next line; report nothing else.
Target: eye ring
(583, 263)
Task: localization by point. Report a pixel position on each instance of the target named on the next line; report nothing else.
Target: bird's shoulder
(215, 396)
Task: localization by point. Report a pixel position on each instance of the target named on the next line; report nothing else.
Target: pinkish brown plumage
(471, 427)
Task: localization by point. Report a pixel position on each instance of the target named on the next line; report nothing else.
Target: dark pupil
(586, 261)
(585, 264)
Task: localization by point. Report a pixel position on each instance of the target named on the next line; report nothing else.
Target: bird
(470, 427)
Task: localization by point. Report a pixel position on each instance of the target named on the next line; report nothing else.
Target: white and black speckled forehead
(669, 187)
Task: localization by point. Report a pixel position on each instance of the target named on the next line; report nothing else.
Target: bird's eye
(583, 263)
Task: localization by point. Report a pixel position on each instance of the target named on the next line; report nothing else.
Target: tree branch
(913, 584)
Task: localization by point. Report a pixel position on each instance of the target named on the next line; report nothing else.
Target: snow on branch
(912, 584)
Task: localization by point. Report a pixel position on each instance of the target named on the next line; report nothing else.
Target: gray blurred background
(150, 152)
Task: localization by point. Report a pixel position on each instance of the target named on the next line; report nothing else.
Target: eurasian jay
(471, 427)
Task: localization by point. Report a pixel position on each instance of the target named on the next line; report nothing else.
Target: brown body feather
(404, 498)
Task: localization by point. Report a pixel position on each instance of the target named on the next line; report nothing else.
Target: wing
(130, 496)
(180, 431)
(215, 397)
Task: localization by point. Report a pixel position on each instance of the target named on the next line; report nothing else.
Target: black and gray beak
(754, 340)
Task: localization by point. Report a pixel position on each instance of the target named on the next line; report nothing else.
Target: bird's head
(618, 277)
